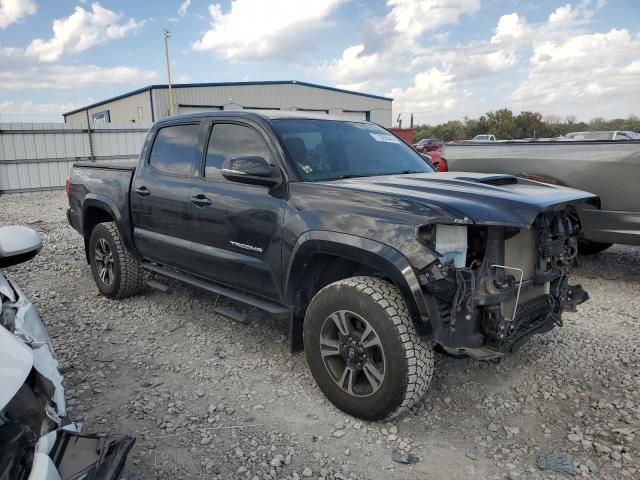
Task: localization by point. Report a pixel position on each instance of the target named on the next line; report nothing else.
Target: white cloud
(29, 107)
(62, 77)
(184, 6)
(82, 30)
(510, 27)
(570, 75)
(632, 68)
(356, 71)
(390, 44)
(257, 29)
(570, 69)
(428, 95)
(12, 11)
(414, 17)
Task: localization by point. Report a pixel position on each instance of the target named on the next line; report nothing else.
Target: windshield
(481, 137)
(331, 150)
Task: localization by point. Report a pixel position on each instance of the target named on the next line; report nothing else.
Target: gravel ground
(210, 398)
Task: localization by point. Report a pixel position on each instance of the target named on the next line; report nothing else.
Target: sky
(438, 59)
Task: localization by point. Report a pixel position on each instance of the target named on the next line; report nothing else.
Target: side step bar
(265, 305)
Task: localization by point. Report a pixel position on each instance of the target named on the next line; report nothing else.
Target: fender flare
(106, 204)
(368, 252)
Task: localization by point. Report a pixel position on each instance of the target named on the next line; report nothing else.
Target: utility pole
(167, 34)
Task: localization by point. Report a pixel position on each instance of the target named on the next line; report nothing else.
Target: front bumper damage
(37, 442)
(515, 283)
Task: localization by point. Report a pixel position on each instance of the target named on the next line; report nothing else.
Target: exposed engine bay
(499, 285)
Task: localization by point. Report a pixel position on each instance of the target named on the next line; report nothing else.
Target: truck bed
(103, 183)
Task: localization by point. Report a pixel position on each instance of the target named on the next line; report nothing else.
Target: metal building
(151, 103)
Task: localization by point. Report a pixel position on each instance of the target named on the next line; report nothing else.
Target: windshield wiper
(350, 175)
(355, 175)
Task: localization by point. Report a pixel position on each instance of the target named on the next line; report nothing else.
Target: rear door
(160, 204)
(236, 228)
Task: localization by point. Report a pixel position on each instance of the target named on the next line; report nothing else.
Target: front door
(160, 205)
(236, 228)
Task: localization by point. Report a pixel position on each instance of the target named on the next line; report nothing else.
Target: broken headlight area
(493, 286)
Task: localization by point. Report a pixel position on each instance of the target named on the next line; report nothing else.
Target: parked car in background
(603, 135)
(37, 441)
(608, 168)
(427, 145)
(484, 138)
(343, 230)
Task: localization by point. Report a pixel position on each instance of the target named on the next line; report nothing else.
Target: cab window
(174, 149)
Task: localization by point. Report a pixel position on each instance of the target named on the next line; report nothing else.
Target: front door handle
(200, 200)
(143, 191)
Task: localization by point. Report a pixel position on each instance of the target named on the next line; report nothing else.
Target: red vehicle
(427, 145)
(437, 161)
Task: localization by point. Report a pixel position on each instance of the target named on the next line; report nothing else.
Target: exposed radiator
(520, 252)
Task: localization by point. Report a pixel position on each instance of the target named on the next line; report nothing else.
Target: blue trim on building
(224, 84)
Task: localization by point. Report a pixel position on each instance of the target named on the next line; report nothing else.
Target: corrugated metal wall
(38, 156)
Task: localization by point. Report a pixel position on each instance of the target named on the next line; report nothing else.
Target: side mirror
(252, 169)
(18, 244)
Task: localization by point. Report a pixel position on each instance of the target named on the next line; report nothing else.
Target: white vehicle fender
(43, 468)
(16, 361)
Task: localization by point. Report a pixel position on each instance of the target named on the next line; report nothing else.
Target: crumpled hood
(485, 199)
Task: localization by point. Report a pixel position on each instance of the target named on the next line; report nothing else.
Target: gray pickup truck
(610, 169)
(345, 231)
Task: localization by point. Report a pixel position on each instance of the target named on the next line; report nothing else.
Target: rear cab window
(174, 149)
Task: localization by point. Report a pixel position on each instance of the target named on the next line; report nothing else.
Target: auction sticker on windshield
(384, 137)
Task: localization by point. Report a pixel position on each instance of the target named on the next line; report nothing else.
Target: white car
(37, 441)
(484, 138)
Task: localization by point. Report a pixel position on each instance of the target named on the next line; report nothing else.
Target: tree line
(507, 126)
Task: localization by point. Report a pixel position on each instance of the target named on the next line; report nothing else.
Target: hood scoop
(497, 180)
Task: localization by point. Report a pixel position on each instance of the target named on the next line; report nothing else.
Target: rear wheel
(363, 351)
(116, 271)
(587, 247)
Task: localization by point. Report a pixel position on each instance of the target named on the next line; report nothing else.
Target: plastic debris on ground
(557, 462)
(403, 457)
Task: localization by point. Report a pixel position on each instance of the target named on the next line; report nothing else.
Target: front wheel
(116, 271)
(363, 351)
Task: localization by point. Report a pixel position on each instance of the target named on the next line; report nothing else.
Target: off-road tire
(128, 272)
(409, 359)
(587, 247)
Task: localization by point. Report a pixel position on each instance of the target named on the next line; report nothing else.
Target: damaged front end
(37, 442)
(494, 286)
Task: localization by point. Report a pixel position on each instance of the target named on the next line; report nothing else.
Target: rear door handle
(200, 200)
(143, 191)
